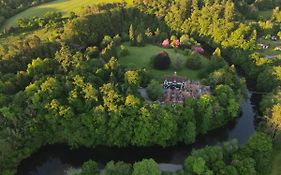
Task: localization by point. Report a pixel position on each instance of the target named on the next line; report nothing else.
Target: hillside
(63, 6)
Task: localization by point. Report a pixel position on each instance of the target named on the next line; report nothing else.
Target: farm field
(63, 6)
(140, 57)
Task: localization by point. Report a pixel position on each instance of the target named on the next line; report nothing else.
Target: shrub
(125, 37)
(259, 147)
(90, 168)
(178, 63)
(106, 41)
(217, 53)
(162, 36)
(162, 61)
(124, 50)
(184, 39)
(109, 52)
(146, 77)
(92, 52)
(214, 64)
(118, 168)
(140, 40)
(149, 37)
(117, 39)
(146, 167)
(194, 62)
(72, 171)
(154, 90)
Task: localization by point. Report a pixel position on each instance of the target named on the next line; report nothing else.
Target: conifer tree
(132, 35)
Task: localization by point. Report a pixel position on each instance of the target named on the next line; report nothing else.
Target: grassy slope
(139, 57)
(64, 6)
(276, 168)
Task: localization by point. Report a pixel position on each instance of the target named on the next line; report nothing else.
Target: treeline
(213, 22)
(49, 20)
(17, 56)
(9, 8)
(90, 30)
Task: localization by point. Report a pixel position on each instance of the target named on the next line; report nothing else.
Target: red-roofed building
(174, 82)
(178, 89)
(166, 43)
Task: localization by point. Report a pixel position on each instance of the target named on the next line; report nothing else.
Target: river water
(56, 159)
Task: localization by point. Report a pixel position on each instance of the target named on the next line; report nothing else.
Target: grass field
(140, 57)
(64, 6)
(276, 168)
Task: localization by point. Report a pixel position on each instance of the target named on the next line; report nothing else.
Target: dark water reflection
(55, 159)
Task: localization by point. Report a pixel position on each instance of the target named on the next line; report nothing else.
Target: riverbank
(58, 158)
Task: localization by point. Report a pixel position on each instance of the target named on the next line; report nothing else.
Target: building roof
(174, 78)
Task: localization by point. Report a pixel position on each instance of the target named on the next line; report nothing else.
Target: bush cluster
(162, 61)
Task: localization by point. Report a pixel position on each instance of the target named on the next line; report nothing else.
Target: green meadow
(63, 6)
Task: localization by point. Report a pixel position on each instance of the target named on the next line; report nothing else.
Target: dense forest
(70, 87)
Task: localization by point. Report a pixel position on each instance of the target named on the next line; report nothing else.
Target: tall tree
(132, 34)
(146, 167)
(275, 121)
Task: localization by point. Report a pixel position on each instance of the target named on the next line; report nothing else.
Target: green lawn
(140, 57)
(272, 44)
(276, 168)
(64, 6)
(265, 14)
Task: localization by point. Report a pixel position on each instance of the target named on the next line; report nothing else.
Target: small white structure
(174, 82)
(263, 46)
(274, 38)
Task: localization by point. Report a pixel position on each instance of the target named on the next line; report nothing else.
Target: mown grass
(140, 57)
(276, 164)
(63, 6)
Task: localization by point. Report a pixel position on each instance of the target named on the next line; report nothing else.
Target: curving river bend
(56, 159)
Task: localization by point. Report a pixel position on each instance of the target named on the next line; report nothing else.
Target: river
(56, 159)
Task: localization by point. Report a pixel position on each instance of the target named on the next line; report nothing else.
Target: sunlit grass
(63, 6)
(140, 57)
